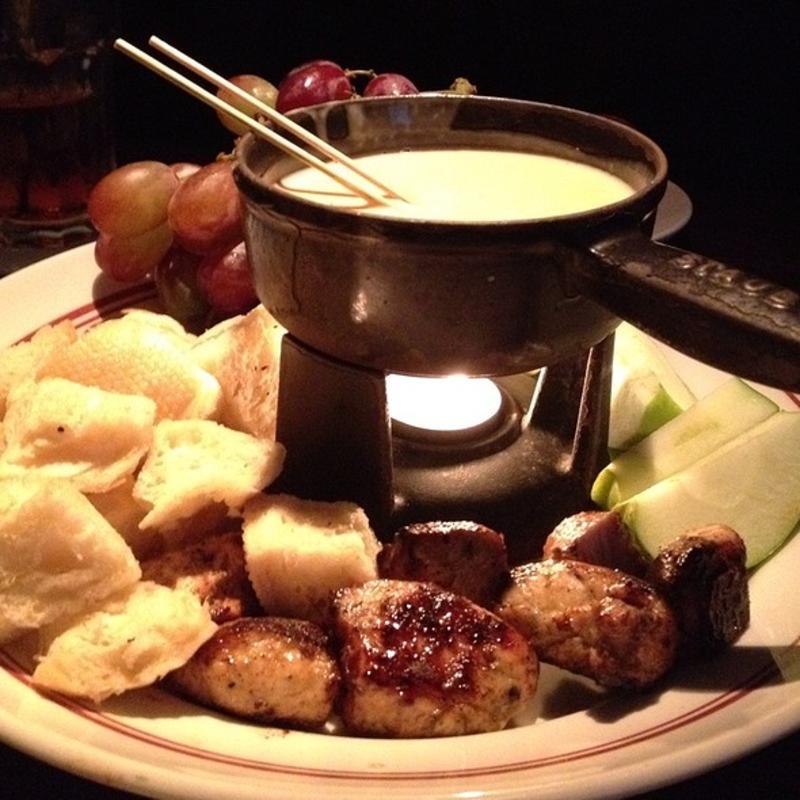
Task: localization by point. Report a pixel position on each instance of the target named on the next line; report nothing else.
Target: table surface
(773, 772)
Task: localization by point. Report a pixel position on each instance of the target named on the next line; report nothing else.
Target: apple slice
(725, 413)
(752, 484)
(646, 391)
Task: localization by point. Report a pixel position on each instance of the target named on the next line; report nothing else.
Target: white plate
(582, 743)
(673, 212)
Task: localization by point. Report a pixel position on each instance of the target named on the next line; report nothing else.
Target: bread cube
(132, 640)
(61, 429)
(58, 556)
(298, 552)
(21, 361)
(243, 354)
(194, 464)
(134, 358)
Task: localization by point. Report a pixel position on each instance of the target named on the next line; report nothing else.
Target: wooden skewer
(274, 116)
(309, 159)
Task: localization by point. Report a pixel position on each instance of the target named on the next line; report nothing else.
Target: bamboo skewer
(198, 92)
(272, 114)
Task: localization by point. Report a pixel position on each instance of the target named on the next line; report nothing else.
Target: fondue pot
(363, 296)
(497, 298)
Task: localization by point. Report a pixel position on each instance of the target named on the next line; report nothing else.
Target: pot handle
(737, 322)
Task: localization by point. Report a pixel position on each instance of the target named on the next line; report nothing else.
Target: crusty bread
(298, 552)
(162, 322)
(132, 640)
(193, 464)
(20, 362)
(61, 429)
(125, 356)
(58, 555)
(243, 354)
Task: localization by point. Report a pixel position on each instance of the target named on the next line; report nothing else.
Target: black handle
(740, 323)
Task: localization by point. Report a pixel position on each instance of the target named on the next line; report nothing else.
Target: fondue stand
(531, 304)
(520, 471)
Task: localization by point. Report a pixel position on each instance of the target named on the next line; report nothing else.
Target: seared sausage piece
(596, 537)
(269, 669)
(419, 661)
(463, 557)
(592, 620)
(214, 570)
(702, 574)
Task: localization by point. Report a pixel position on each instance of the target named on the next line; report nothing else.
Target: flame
(450, 403)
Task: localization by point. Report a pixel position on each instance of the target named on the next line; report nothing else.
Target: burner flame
(450, 403)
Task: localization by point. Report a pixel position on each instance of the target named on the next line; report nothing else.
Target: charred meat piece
(463, 557)
(419, 661)
(592, 620)
(702, 574)
(269, 669)
(596, 537)
(214, 570)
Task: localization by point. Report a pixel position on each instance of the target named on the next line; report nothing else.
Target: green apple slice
(725, 413)
(646, 391)
(751, 484)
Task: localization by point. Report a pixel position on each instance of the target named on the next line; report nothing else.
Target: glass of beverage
(55, 117)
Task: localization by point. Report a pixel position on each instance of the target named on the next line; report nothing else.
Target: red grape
(176, 284)
(132, 199)
(205, 211)
(131, 258)
(226, 281)
(389, 83)
(311, 83)
(260, 88)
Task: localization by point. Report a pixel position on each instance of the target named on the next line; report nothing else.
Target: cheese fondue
(468, 185)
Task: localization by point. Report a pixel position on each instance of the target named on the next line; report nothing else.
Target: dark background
(714, 83)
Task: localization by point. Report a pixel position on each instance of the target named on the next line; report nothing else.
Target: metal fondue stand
(363, 296)
(534, 466)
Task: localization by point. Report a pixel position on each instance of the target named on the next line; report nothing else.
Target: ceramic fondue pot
(500, 297)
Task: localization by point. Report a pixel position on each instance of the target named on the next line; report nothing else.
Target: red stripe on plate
(755, 680)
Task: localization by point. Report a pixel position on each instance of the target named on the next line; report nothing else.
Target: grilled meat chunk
(592, 620)
(214, 570)
(596, 537)
(269, 669)
(702, 574)
(463, 557)
(418, 661)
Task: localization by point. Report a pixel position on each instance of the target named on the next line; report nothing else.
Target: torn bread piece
(61, 429)
(243, 354)
(134, 358)
(58, 555)
(21, 361)
(162, 322)
(193, 464)
(298, 552)
(132, 640)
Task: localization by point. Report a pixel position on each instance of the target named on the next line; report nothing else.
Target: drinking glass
(55, 117)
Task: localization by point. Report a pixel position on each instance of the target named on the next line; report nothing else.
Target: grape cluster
(182, 223)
